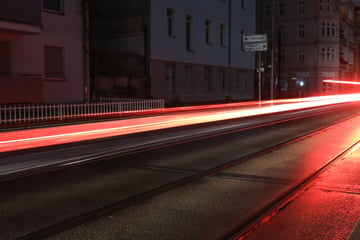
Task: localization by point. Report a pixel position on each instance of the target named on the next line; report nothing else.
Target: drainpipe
(229, 35)
(86, 50)
(229, 50)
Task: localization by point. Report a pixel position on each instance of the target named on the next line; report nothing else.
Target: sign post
(256, 43)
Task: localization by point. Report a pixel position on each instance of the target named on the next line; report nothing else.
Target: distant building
(180, 50)
(313, 40)
(41, 51)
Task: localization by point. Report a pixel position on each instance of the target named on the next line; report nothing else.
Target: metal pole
(272, 51)
(259, 71)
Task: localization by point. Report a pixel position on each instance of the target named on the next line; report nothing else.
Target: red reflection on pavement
(32, 138)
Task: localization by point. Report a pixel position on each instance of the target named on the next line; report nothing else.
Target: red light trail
(32, 138)
(341, 82)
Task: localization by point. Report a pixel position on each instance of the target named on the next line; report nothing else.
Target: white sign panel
(255, 38)
(261, 46)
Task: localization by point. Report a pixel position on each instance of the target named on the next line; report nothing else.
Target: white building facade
(41, 51)
(196, 50)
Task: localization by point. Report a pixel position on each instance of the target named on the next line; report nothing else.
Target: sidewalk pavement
(329, 209)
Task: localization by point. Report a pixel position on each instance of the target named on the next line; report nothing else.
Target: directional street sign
(261, 46)
(252, 43)
(255, 38)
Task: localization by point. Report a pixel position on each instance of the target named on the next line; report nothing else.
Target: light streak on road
(41, 137)
(341, 82)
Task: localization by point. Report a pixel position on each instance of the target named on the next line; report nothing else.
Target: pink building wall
(27, 82)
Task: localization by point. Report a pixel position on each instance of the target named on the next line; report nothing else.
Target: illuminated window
(207, 31)
(54, 62)
(189, 23)
(4, 58)
(54, 5)
(170, 22)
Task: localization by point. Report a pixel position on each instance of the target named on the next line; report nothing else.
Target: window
(342, 33)
(328, 29)
(54, 62)
(4, 58)
(351, 58)
(189, 32)
(301, 6)
(282, 59)
(301, 30)
(301, 55)
(222, 79)
(333, 29)
(328, 53)
(207, 30)
(54, 5)
(268, 10)
(170, 77)
(242, 4)
(241, 83)
(170, 22)
(281, 9)
(342, 56)
(242, 34)
(326, 6)
(327, 87)
(188, 78)
(222, 34)
(207, 79)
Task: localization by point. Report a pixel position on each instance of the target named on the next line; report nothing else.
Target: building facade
(41, 51)
(179, 50)
(313, 41)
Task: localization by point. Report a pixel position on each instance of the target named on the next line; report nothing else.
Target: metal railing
(10, 114)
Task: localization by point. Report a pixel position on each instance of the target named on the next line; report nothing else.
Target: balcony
(13, 27)
(21, 17)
